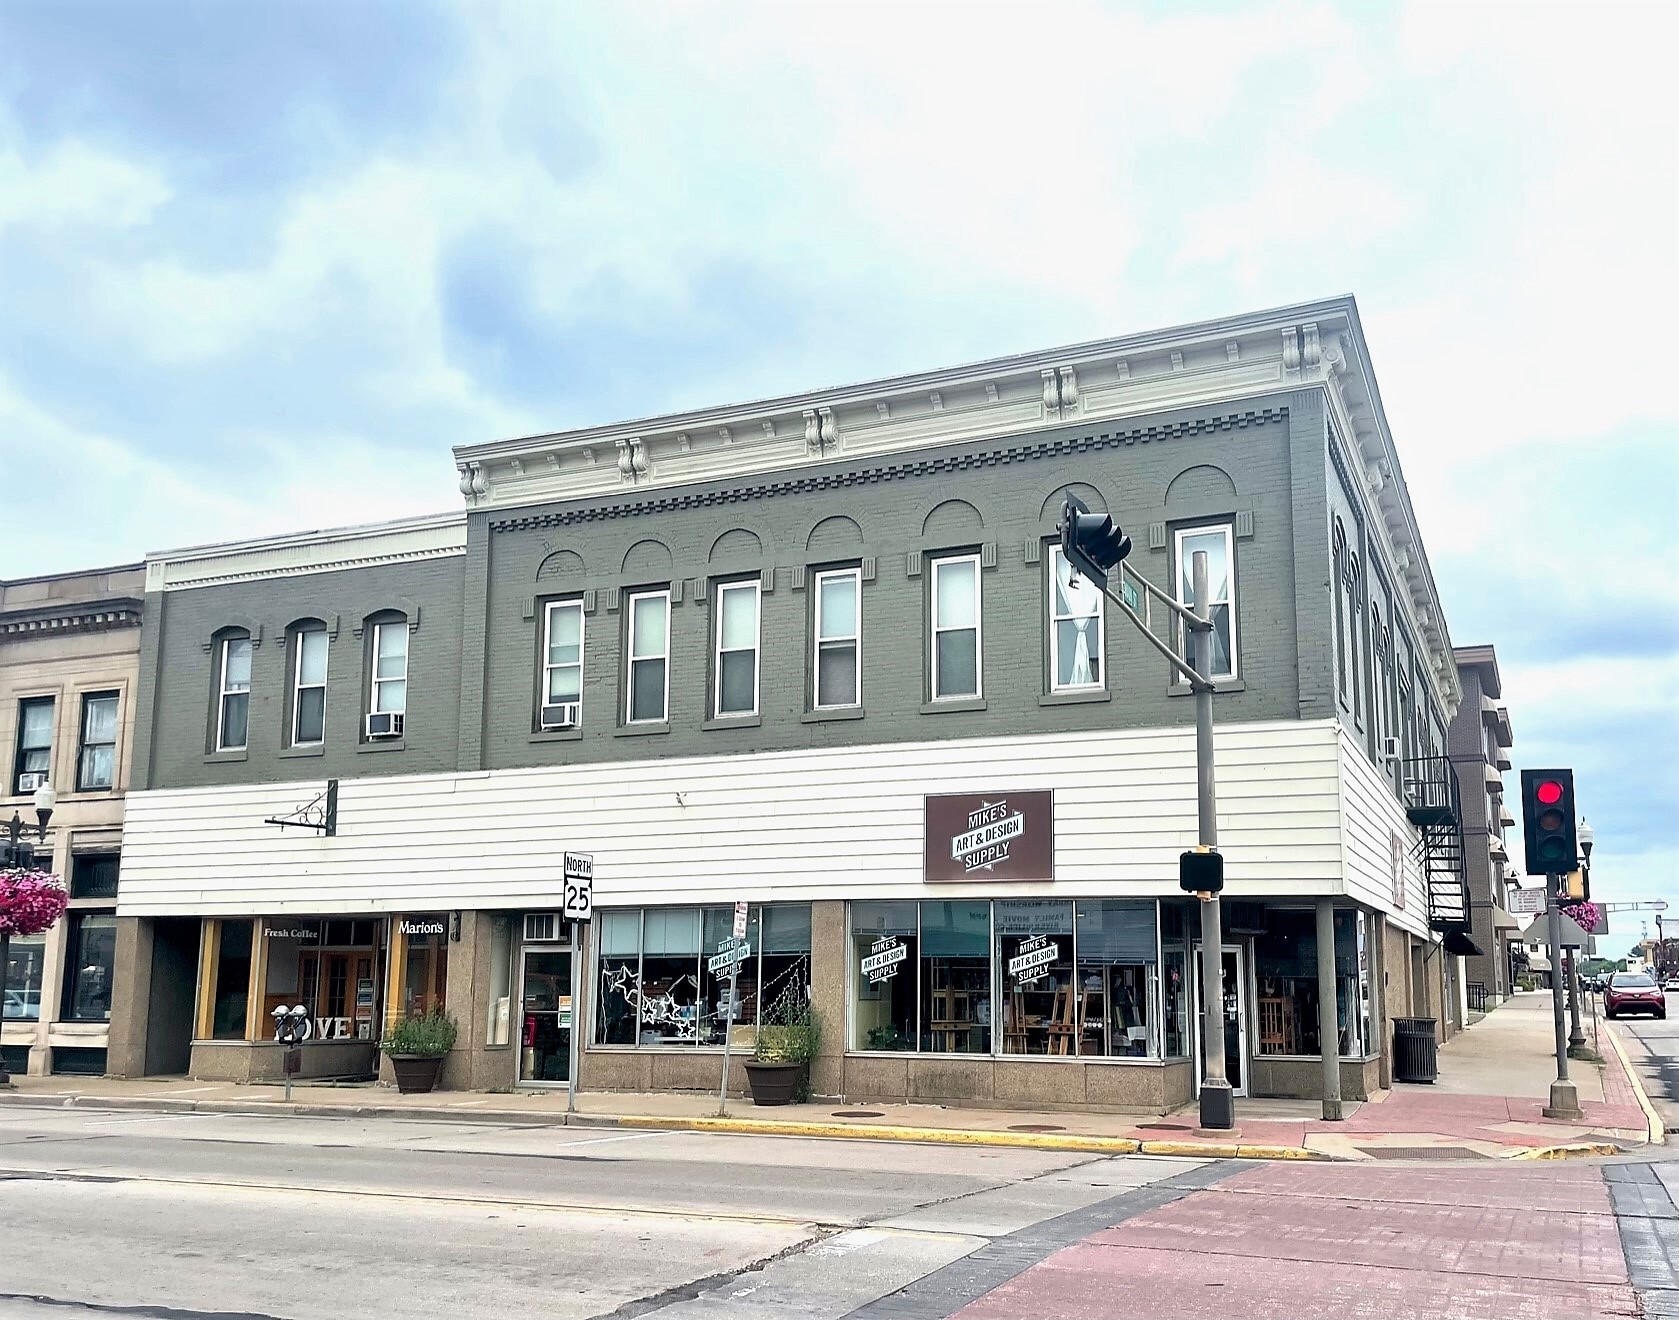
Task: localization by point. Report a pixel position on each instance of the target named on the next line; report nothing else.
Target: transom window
(839, 651)
(737, 648)
(1221, 587)
(309, 688)
(34, 744)
(233, 694)
(648, 699)
(96, 758)
(390, 668)
(956, 628)
(1075, 627)
(562, 653)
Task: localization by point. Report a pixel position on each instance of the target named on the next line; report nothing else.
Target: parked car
(1634, 992)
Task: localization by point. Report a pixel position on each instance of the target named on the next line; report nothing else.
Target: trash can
(1416, 1055)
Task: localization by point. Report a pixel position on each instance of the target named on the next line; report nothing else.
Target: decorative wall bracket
(321, 813)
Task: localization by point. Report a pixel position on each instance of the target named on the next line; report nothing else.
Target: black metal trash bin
(1416, 1054)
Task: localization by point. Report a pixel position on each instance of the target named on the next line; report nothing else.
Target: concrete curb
(1575, 1150)
(1658, 1129)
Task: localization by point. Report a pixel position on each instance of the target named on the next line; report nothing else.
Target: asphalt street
(1655, 1054)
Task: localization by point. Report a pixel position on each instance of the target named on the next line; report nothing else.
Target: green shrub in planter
(431, 1036)
(788, 1033)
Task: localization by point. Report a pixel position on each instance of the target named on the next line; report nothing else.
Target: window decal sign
(989, 836)
(884, 958)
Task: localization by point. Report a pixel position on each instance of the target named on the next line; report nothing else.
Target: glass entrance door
(545, 1002)
(1235, 1018)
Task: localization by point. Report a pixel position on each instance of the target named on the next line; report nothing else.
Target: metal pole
(1218, 1106)
(1565, 1101)
(1329, 1018)
(5, 975)
(576, 1018)
(728, 1030)
(1576, 1037)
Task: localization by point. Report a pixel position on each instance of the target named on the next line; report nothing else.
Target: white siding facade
(1301, 813)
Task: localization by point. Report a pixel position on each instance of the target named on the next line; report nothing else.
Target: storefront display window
(25, 955)
(1286, 975)
(1175, 924)
(885, 961)
(499, 1030)
(1043, 1013)
(89, 967)
(956, 977)
(1352, 983)
(655, 989)
(231, 981)
(1116, 978)
(425, 964)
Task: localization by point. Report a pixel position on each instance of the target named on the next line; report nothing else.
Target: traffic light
(1548, 821)
(1201, 871)
(1091, 542)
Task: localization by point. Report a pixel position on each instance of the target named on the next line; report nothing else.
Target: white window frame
(1228, 531)
(939, 566)
(223, 692)
(298, 686)
(855, 637)
(82, 743)
(1056, 559)
(630, 658)
(723, 590)
(549, 610)
(379, 630)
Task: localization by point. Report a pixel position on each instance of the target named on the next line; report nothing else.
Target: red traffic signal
(1548, 821)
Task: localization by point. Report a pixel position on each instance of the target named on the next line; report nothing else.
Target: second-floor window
(648, 680)
(308, 726)
(1075, 628)
(390, 668)
(1221, 588)
(737, 648)
(96, 758)
(839, 636)
(34, 744)
(956, 628)
(233, 694)
(562, 654)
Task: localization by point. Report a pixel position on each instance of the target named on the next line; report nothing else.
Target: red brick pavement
(1346, 1242)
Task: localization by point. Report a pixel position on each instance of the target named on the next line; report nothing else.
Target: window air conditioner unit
(1390, 749)
(30, 780)
(565, 715)
(384, 724)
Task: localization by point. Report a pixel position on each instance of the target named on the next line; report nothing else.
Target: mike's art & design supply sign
(883, 959)
(990, 836)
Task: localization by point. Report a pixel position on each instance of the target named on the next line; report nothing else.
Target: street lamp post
(1576, 1033)
(18, 852)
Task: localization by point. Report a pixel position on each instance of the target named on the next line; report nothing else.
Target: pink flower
(30, 901)
(1582, 914)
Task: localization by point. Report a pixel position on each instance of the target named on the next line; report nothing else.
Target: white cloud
(75, 185)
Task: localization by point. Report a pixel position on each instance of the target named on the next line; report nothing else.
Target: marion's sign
(990, 836)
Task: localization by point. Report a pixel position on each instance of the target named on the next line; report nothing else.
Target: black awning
(1459, 943)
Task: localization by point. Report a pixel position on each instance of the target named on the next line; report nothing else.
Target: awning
(1538, 962)
(1458, 943)
(1502, 920)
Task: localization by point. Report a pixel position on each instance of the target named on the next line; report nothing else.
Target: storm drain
(1035, 1127)
(858, 1113)
(1164, 1127)
(1422, 1153)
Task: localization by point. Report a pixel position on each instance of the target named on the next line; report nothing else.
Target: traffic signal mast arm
(1194, 622)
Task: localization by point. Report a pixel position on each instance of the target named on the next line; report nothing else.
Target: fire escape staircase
(1433, 804)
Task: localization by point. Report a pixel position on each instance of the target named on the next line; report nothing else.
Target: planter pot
(774, 1083)
(416, 1073)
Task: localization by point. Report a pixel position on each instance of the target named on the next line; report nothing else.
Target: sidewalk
(1494, 1080)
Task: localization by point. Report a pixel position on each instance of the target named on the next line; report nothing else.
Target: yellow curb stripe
(939, 1136)
(1658, 1129)
(1571, 1151)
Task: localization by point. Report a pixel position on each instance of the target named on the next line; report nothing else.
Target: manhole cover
(1422, 1153)
(1035, 1127)
(858, 1113)
(1164, 1127)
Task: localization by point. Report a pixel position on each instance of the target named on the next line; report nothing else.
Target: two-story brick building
(69, 660)
(820, 653)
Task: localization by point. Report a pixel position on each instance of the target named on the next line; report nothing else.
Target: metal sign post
(578, 873)
(1565, 1100)
(731, 953)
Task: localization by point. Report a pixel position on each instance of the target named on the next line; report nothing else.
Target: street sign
(1527, 902)
(578, 870)
(740, 921)
(884, 957)
(730, 954)
(1032, 957)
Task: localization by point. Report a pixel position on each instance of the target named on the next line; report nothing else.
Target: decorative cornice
(927, 464)
(333, 550)
(83, 616)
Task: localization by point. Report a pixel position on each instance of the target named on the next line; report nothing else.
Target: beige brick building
(69, 665)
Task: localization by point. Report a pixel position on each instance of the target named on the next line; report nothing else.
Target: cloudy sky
(262, 264)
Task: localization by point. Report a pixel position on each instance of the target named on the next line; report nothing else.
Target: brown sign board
(989, 836)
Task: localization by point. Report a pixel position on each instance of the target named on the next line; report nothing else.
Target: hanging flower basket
(30, 901)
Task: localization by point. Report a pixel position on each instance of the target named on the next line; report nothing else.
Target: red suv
(1633, 992)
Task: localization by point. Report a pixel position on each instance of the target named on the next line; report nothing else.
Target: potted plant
(788, 1039)
(416, 1046)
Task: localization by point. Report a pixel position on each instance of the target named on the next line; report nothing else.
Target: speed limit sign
(579, 871)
